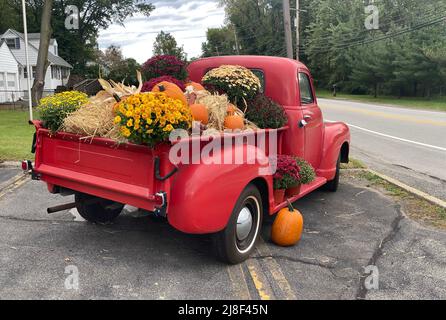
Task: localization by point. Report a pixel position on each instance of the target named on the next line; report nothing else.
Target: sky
(186, 20)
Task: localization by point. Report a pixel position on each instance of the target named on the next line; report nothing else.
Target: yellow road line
(260, 281)
(386, 115)
(282, 288)
(238, 280)
(274, 268)
(17, 184)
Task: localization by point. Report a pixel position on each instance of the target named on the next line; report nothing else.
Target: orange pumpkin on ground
(195, 85)
(171, 90)
(200, 113)
(287, 227)
(232, 120)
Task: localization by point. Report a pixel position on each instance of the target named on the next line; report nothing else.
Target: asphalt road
(407, 144)
(141, 258)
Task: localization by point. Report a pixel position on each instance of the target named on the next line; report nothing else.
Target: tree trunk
(42, 58)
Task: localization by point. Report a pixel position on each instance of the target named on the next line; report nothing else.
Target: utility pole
(28, 68)
(237, 48)
(297, 30)
(287, 24)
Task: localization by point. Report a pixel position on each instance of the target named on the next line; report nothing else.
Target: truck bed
(124, 173)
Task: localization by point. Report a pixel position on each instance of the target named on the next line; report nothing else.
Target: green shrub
(266, 113)
(306, 172)
(54, 109)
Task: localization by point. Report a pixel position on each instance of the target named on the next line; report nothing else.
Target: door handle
(302, 123)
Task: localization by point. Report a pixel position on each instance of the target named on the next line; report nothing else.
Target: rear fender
(337, 136)
(203, 195)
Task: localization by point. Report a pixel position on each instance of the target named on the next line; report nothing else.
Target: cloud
(187, 21)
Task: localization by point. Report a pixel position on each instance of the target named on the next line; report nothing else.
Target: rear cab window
(306, 92)
(261, 75)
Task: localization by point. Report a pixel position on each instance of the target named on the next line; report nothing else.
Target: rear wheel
(237, 241)
(96, 209)
(333, 185)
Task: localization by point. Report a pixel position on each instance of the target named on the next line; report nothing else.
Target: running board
(306, 189)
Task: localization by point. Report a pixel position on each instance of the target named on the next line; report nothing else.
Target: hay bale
(217, 106)
(95, 119)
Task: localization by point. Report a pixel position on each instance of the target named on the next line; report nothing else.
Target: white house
(9, 75)
(58, 71)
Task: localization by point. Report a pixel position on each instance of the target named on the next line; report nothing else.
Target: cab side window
(306, 94)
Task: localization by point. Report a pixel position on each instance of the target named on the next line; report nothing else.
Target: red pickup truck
(226, 200)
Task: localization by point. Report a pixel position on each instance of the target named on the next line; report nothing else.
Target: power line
(388, 36)
(357, 34)
(349, 41)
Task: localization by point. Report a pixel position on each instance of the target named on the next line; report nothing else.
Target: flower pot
(293, 191)
(279, 196)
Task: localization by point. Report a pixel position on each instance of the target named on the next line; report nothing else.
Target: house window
(65, 73)
(25, 72)
(55, 72)
(13, 43)
(2, 81)
(11, 80)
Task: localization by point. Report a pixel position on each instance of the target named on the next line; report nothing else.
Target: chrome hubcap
(244, 224)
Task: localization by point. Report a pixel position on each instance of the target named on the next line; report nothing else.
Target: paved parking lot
(143, 258)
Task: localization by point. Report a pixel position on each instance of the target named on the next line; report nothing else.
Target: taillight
(27, 165)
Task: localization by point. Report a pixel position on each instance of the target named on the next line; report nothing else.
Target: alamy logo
(372, 281)
(372, 20)
(72, 281)
(72, 19)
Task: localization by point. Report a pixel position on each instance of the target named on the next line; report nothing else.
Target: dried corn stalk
(119, 89)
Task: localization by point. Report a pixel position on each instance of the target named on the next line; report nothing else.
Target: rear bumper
(117, 191)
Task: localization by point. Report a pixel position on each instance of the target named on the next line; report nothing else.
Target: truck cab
(289, 83)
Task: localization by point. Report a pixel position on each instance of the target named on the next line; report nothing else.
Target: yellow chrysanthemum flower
(150, 117)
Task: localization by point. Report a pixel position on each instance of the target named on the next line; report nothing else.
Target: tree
(392, 60)
(165, 44)
(9, 17)
(75, 46)
(42, 58)
(220, 41)
(259, 25)
(373, 68)
(120, 69)
(113, 58)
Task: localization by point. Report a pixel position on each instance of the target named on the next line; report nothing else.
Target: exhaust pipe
(62, 207)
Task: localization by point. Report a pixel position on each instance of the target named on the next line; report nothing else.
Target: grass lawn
(438, 104)
(15, 135)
